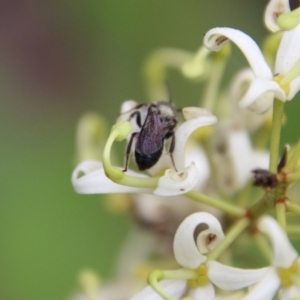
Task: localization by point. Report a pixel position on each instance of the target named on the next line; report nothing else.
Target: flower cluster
(189, 172)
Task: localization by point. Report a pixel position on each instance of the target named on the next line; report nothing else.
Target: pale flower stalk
(199, 275)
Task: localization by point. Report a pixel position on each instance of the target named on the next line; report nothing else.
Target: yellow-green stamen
(286, 275)
(289, 20)
(202, 278)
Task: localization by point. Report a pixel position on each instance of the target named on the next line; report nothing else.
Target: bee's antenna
(170, 100)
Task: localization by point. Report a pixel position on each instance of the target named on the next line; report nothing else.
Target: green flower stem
(293, 177)
(267, 202)
(281, 214)
(270, 46)
(158, 275)
(293, 160)
(119, 132)
(293, 229)
(180, 274)
(244, 196)
(196, 66)
(292, 207)
(219, 204)
(263, 245)
(156, 67)
(216, 74)
(291, 75)
(153, 280)
(230, 236)
(278, 108)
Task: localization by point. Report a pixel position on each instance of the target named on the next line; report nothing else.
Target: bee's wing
(151, 135)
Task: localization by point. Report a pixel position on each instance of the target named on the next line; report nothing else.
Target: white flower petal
(128, 107)
(214, 40)
(238, 88)
(288, 52)
(196, 118)
(194, 153)
(232, 296)
(229, 278)
(176, 183)
(187, 251)
(266, 288)
(260, 160)
(294, 88)
(284, 253)
(240, 84)
(231, 152)
(240, 150)
(89, 178)
(273, 10)
(174, 288)
(262, 104)
(206, 292)
(256, 93)
(289, 293)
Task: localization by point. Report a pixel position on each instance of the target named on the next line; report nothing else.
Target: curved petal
(231, 152)
(174, 288)
(240, 84)
(177, 183)
(229, 278)
(215, 38)
(240, 150)
(238, 88)
(288, 52)
(294, 88)
(273, 10)
(284, 253)
(194, 153)
(262, 104)
(127, 106)
(195, 118)
(260, 92)
(266, 289)
(187, 251)
(206, 292)
(89, 178)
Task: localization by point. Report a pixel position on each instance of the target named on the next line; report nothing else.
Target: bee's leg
(128, 150)
(136, 114)
(172, 147)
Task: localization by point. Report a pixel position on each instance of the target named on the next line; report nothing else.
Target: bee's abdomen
(145, 162)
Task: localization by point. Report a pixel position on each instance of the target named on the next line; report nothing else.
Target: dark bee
(159, 124)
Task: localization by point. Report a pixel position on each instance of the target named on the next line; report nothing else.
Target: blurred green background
(59, 59)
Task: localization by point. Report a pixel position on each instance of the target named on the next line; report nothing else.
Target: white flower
(265, 86)
(248, 119)
(197, 235)
(285, 270)
(234, 157)
(89, 177)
